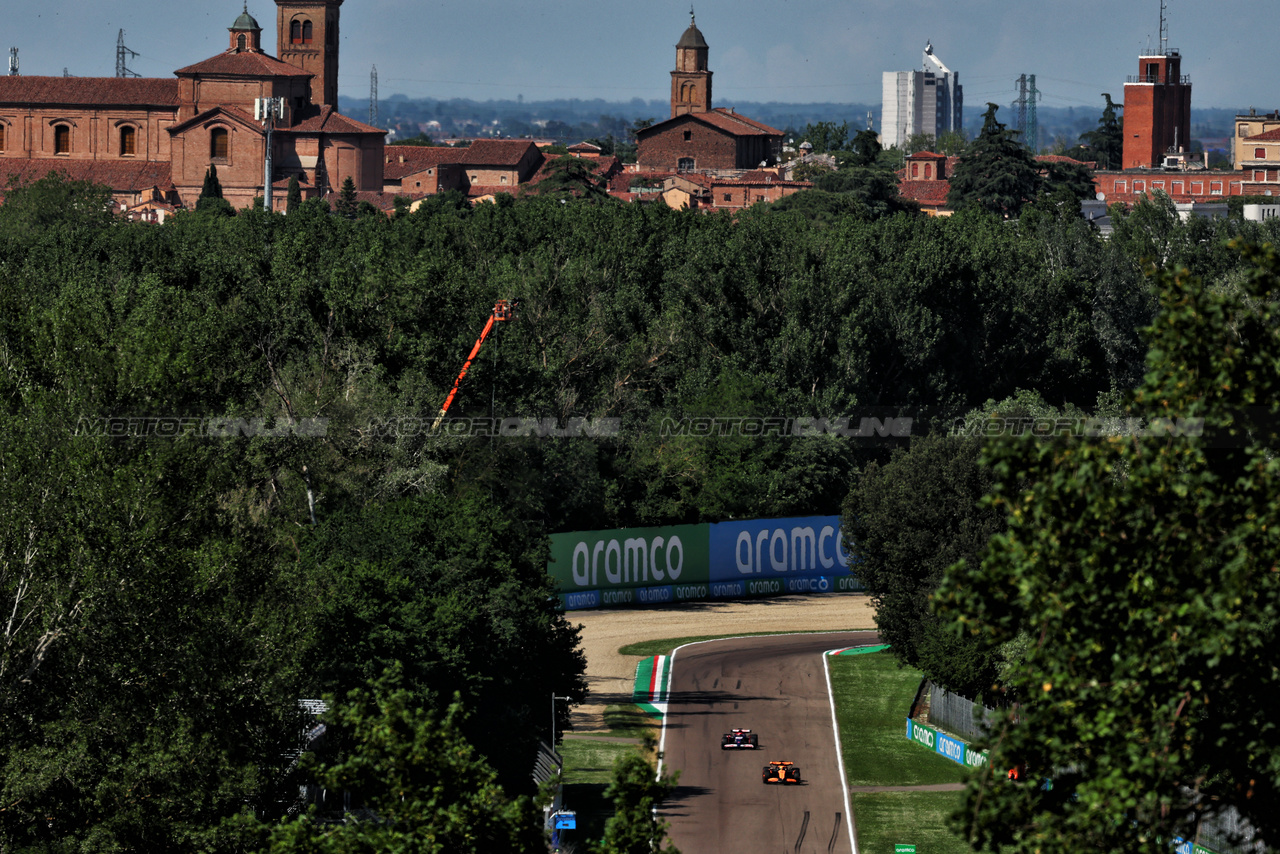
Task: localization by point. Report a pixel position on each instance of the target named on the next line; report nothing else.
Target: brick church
(698, 138)
(153, 139)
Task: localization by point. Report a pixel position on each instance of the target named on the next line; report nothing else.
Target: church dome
(245, 22)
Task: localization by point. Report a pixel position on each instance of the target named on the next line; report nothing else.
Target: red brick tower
(1157, 111)
(307, 36)
(691, 81)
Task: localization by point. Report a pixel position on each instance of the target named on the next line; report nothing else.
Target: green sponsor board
(631, 557)
(899, 848)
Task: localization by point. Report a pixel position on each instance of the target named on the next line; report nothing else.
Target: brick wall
(709, 147)
(94, 133)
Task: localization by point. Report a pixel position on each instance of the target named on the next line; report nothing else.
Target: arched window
(128, 142)
(219, 144)
(295, 32)
(2, 129)
(240, 42)
(62, 139)
(685, 164)
(306, 32)
(928, 170)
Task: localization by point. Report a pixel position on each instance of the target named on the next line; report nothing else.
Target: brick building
(925, 179)
(697, 137)
(414, 170)
(105, 129)
(1157, 111)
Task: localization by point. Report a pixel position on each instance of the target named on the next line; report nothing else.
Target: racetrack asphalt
(775, 686)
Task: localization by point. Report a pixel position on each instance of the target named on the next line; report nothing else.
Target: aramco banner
(647, 566)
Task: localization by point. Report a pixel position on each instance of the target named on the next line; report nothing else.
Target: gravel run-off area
(610, 675)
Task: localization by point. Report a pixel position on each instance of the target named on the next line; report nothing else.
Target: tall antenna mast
(1164, 30)
(13, 62)
(373, 96)
(121, 69)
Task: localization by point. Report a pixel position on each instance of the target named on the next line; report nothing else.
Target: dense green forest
(169, 595)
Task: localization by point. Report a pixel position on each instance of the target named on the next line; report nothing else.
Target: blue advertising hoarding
(803, 554)
(725, 560)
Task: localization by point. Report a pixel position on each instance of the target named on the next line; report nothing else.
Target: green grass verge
(872, 695)
(630, 721)
(588, 769)
(665, 647)
(914, 818)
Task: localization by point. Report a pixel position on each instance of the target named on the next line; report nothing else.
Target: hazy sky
(783, 50)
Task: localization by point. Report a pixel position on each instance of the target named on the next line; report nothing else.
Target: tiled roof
(925, 192)
(926, 155)
(122, 176)
(1058, 158)
(99, 91)
(720, 118)
(740, 124)
(325, 119)
(402, 160)
(759, 177)
(1272, 135)
(478, 190)
(244, 64)
(244, 118)
(621, 182)
(585, 148)
(496, 152)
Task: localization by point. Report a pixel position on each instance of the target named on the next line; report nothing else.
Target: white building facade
(929, 101)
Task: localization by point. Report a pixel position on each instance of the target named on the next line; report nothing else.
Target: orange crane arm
(502, 310)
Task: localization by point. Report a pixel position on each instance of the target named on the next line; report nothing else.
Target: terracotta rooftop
(734, 123)
(475, 191)
(926, 155)
(402, 160)
(759, 177)
(1058, 158)
(119, 175)
(244, 64)
(739, 120)
(1272, 135)
(496, 152)
(325, 119)
(99, 91)
(925, 192)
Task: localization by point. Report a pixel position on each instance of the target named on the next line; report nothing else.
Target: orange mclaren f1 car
(780, 772)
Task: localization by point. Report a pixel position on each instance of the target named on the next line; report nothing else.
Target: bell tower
(307, 38)
(691, 81)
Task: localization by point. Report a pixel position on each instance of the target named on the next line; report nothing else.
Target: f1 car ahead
(781, 772)
(738, 739)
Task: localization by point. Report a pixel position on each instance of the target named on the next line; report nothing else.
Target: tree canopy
(1107, 139)
(1142, 566)
(997, 172)
(221, 492)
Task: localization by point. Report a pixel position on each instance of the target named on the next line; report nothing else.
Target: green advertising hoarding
(631, 565)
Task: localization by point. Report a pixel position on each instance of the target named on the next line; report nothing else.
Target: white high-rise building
(928, 101)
